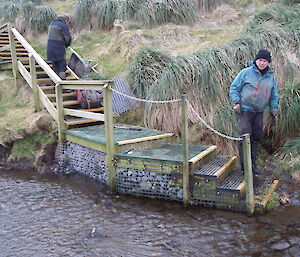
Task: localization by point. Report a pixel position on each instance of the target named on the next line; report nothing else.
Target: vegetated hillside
(171, 46)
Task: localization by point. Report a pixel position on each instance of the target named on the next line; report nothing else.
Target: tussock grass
(291, 2)
(41, 18)
(105, 13)
(146, 68)
(82, 13)
(96, 13)
(289, 111)
(27, 15)
(207, 5)
(207, 74)
(292, 146)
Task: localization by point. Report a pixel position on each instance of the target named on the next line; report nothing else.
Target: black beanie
(263, 54)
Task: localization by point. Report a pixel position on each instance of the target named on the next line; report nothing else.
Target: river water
(72, 215)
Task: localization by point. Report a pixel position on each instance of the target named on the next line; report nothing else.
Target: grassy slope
(19, 124)
(114, 50)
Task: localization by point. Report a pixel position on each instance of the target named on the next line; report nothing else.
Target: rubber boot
(254, 147)
(62, 75)
(240, 148)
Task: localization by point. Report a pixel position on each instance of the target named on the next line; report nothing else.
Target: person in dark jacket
(59, 38)
(252, 91)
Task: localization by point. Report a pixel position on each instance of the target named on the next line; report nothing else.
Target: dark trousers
(250, 123)
(59, 66)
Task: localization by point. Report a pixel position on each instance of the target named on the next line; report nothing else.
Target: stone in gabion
(72, 157)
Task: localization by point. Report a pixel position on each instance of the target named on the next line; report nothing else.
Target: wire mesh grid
(149, 179)
(73, 157)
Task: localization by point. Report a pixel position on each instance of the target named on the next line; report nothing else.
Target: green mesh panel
(121, 132)
(163, 153)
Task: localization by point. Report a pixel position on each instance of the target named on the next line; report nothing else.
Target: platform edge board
(264, 202)
(142, 139)
(85, 142)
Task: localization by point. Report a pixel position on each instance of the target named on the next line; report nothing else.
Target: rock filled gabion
(76, 158)
(147, 183)
(73, 157)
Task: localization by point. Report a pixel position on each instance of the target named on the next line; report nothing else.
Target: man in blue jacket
(58, 39)
(252, 91)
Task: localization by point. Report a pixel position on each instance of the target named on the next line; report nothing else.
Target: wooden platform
(94, 136)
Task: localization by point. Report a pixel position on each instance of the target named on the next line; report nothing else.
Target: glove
(273, 118)
(237, 108)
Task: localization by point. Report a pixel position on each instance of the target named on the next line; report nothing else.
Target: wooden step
(18, 54)
(52, 87)
(44, 81)
(17, 50)
(64, 95)
(6, 42)
(213, 172)
(37, 66)
(202, 158)
(71, 78)
(9, 58)
(68, 103)
(80, 121)
(100, 109)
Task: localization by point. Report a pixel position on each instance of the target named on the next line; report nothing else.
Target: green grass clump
(101, 14)
(274, 202)
(41, 18)
(292, 146)
(291, 2)
(30, 14)
(207, 74)
(289, 111)
(27, 147)
(146, 68)
(105, 13)
(82, 13)
(207, 5)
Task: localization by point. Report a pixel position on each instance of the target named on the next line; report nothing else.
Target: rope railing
(175, 101)
(209, 127)
(145, 100)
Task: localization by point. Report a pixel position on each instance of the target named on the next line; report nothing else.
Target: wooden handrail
(55, 78)
(4, 27)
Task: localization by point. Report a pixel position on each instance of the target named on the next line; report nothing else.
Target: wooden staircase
(47, 85)
(152, 172)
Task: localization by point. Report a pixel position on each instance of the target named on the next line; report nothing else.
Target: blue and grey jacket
(253, 91)
(58, 39)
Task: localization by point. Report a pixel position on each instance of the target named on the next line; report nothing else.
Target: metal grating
(232, 181)
(163, 153)
(211, 167)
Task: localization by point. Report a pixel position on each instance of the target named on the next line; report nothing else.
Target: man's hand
(237, 108)
(273, 118)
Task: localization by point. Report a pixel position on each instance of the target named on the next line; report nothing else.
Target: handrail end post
(250, 204)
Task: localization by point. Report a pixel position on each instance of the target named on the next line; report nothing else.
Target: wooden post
(248, 173)
(185, 146)
(14, 59)
(34, 86)
(109, 135)
(60, 112)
